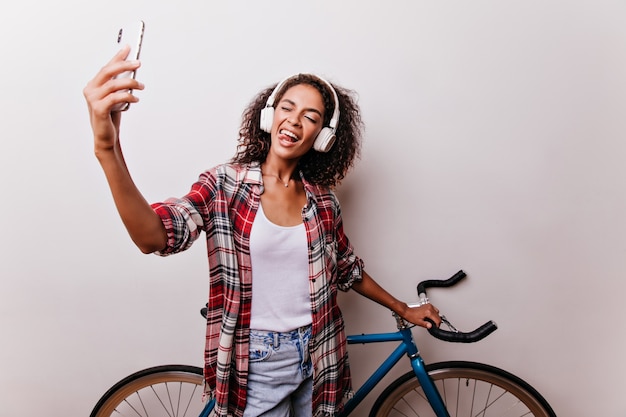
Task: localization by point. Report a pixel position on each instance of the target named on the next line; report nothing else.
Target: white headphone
(325, 139)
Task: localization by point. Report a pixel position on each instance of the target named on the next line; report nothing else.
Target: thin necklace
(286, 184)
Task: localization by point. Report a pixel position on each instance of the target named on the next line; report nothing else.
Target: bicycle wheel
(468, 389)
(162, 391)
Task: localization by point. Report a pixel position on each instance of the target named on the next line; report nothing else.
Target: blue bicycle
(445, 389)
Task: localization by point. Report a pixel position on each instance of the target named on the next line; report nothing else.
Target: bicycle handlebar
(454, 336)
(462, 337)
(436, 283)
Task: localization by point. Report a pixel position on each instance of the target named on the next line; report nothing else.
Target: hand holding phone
(131, 35)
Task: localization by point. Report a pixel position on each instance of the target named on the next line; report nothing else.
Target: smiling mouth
(292, 136)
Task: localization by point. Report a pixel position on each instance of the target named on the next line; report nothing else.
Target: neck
(284, 174)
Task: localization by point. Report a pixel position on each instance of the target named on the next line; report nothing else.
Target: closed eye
(312, 119)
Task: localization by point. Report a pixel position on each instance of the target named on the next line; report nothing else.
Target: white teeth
(290, 134)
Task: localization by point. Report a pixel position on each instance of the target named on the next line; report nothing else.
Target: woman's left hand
(418, 315)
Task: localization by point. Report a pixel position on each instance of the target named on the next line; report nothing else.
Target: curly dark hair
(317, 167)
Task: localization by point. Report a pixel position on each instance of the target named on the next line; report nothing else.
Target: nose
(293, 120)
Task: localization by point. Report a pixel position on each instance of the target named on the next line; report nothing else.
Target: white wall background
(495, 143)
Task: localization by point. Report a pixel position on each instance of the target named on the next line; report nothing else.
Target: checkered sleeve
(184, 218)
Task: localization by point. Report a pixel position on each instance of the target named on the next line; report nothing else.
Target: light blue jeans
(280, 374)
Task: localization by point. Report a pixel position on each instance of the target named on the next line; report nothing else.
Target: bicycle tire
(160, 391)
(467, 389)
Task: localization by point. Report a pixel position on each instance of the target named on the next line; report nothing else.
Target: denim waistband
(275, 338)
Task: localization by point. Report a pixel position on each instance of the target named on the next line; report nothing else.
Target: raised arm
(102, 93)
(416, 315)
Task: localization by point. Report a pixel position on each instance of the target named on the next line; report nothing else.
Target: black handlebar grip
(433, 283)
(463, 337)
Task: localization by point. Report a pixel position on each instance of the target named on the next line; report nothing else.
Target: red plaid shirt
(223, 204)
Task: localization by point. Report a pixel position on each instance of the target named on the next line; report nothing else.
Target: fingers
(110, 86)
(118, 64)
(426, 315)
(122, 53)
(101, 100)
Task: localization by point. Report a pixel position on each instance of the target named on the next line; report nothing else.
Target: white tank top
(280, 276)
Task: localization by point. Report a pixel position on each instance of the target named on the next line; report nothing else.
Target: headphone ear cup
(267, 119)
(324, 140)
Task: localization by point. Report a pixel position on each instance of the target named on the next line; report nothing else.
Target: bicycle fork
(208, 408)
(427, 384)
(431, 392)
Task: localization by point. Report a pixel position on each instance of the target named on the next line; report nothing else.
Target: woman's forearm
(369, 288)
(143, 225)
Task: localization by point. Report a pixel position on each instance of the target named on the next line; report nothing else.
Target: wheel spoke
(158, 397)
(133, 408)
(193, 392)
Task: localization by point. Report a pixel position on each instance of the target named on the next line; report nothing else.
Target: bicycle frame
(479, 379)
(406, 347)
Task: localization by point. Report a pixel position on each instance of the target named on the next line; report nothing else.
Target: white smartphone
(132, 35)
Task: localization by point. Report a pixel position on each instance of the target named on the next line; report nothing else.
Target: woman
(270, 213)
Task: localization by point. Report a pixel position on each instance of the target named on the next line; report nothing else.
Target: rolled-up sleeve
(186, 217)
(182, 222)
